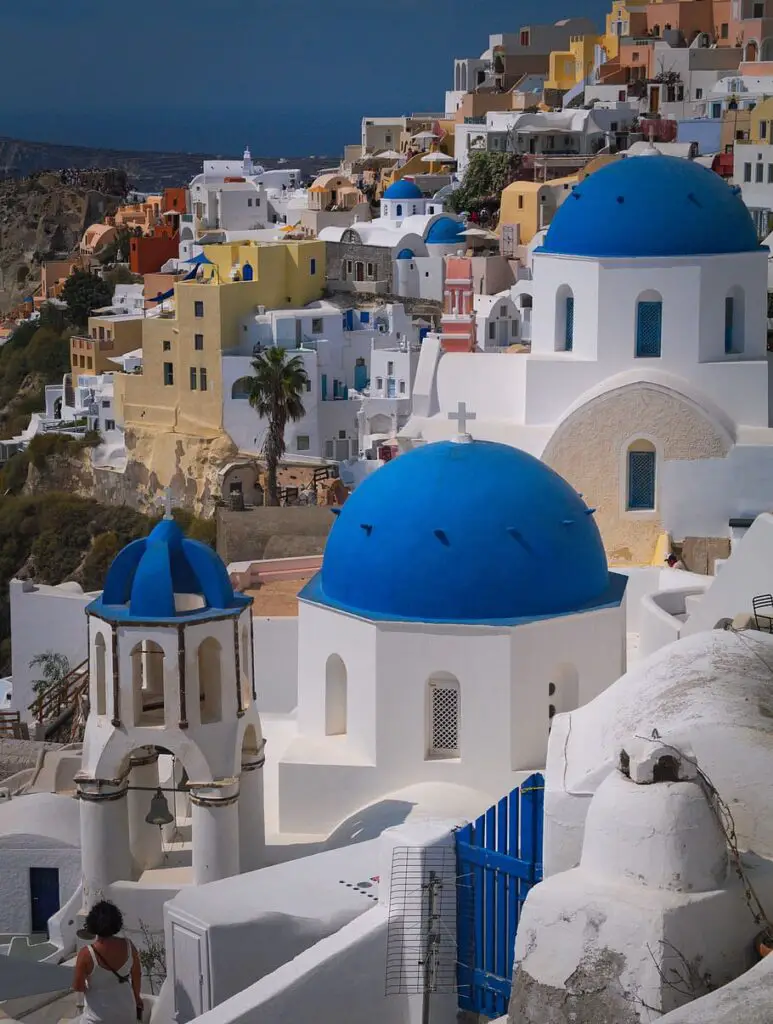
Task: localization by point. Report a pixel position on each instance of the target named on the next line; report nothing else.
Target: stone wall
(338, 253)
(589, 449)
(267, 532)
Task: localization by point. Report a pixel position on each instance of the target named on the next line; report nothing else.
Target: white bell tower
(171, 671)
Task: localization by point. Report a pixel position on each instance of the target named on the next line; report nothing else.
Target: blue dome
(405, 254)
(144, 577)
(651, 206)
(476, 532)
(403, 189)
(444, 231)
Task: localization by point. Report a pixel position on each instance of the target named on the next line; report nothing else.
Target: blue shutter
(641, 480)
(729, 324)
(569, 328)
(324, 387)
(649, 318)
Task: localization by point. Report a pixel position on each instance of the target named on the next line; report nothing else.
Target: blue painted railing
(499, 859)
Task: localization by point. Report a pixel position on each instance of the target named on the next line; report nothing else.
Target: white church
(647, 382)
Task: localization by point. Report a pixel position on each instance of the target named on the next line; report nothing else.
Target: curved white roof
(50, 815)
(712, 692)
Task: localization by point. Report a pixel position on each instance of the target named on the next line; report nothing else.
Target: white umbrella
(388, 154)
(479, 233)
(426, 135)
(438, 158)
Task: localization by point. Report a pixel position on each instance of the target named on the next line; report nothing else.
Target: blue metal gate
(499, 859)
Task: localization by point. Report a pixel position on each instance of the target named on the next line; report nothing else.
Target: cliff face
(43, 218)
(189, 465)
(149, 172)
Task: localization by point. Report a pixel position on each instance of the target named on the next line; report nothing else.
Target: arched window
(649, 324)
(641, 472)
(210, 682)
(399, 210)
(148, 683)
(100, 658)
(734, 321)
(335, 696)
(241, 388)
(246, 668)
(443, 716)
(564, 319)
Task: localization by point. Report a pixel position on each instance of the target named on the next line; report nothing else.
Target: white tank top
(108, 1000)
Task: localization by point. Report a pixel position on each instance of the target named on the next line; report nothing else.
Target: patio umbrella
(388, 154)
(438, 158)
(479, 233)
(425, 135)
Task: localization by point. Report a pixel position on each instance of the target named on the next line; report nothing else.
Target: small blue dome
(444, 231)
(403, 189)
(145, 576)
(477, 532)
(405, 254)
(651, 206)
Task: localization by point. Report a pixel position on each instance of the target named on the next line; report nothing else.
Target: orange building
(457, 324)
(148, 253)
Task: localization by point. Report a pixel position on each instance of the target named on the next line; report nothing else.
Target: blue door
(44, 897)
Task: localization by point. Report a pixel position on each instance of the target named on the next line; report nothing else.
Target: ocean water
(192, 130)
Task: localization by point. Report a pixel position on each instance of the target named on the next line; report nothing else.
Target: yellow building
(568, 67)
(627, 18)
(180, 389)
(760, 123)
(530, 205)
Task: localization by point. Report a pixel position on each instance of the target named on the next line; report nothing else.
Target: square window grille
(445, 720)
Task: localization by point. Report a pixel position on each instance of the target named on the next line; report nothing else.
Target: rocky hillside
(147, 172)
(43, 217)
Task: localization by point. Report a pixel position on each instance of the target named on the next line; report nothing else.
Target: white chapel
(646, 385)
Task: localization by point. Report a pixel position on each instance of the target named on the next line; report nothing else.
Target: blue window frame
(312, 267)
(641, 480)
(569, 324)
(649, 320)
(729, 311)
(399, 210)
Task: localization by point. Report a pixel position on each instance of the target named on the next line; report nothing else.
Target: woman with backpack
(107, 972)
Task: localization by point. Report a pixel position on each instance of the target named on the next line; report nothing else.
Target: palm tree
(275, 394)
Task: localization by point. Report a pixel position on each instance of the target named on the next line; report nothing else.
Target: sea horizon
(214, 131)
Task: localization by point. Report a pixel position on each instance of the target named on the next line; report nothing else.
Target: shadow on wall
(369, 823)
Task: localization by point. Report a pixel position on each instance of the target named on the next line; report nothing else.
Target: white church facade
(647, 382)
(464, 599)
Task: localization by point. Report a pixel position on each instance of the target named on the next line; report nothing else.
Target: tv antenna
(421, 928)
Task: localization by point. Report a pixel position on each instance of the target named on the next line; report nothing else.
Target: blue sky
(214, 74)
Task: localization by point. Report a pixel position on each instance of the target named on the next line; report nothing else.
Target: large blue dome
(476, 532)
(403, 189)
(444, 231)
(145, 576)
(651, 206)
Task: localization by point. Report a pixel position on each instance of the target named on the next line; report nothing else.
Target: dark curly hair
(104, 920)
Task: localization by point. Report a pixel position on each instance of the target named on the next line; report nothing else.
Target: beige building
(107, 337)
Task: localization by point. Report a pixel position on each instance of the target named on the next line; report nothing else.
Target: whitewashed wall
(44, 619)
(19, 853)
